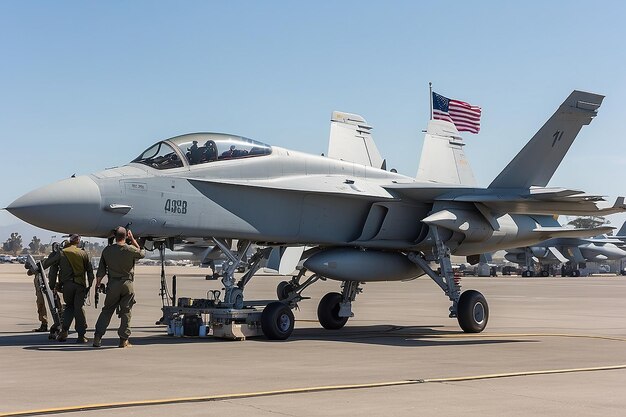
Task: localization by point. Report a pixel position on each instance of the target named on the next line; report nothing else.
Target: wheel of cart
(277, 321)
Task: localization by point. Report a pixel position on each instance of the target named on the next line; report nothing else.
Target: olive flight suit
(73, 264)
(41, 307)
(119, 262)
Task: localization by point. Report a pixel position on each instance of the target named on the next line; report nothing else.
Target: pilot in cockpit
(210, 151)
(230, 153)
(195, 154)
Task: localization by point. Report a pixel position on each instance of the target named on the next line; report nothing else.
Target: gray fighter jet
(362, 222)
(573, 253)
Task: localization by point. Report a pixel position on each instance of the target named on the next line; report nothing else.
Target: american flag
(465, 117)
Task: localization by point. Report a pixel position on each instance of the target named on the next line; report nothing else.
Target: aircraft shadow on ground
(392, 335)
(387, 335)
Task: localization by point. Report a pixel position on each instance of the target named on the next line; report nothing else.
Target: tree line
(15, 246)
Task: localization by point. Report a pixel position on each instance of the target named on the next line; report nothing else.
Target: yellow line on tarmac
(223, 397)
(501, 335)
(103, 406)
(527, 373)
(91, 407)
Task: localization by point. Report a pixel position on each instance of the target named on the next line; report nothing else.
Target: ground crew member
(41, 308)
(73, 263)
(118, 260)
(55, 286)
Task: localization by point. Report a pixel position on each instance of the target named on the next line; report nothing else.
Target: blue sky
(88, 85)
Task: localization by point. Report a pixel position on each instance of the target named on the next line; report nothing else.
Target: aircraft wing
(554, 232)
(546, 201)
(322, 184)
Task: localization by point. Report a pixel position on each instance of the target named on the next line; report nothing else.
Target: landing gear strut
(291, 292)
(470, 308)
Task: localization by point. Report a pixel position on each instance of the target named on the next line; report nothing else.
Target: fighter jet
(363, 222)
(573, 253)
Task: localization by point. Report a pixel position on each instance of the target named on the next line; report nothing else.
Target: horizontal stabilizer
(538, 160)
(351, 140)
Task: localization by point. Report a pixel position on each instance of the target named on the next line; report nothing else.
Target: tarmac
(552, 347)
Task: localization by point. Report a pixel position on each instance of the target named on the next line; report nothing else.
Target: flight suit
(119, 262)
(73, 264)
(41, 307)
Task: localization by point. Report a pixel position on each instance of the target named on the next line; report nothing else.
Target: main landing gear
(470, 307)
(335, 309)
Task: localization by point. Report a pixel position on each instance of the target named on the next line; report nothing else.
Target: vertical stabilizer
(622, 231)
(443, 159)
(535, 164)
(351, 140)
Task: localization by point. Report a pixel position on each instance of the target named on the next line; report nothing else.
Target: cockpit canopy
(200, 148)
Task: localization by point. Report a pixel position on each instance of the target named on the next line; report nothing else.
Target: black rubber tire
(283, 289)
(472, 312)
(525, 274)
(575, 273)
(328, 312)
(277, 321)
(545, 273)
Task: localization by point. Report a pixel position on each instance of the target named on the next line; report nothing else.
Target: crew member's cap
(74, 238)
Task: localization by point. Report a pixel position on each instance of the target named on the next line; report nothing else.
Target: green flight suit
(73, 264)
(119, 262)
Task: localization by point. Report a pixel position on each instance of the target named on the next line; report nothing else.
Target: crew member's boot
(42, 328)
(82, 339)
(62, 337)
(124, 343)
(97, 340)
(54, 332)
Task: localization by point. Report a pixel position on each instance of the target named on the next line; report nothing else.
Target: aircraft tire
(277, 321)
(283, 289)
(328, 312)
(472, 312)
(575, 273)
(545, 273)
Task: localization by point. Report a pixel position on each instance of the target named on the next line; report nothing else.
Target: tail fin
(351, 140)
(622, 230)
(538, 160)
(443, 159)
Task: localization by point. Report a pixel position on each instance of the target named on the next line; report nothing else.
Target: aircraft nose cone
(72, 205)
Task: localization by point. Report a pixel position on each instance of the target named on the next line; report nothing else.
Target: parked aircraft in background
(573, 253)
(620, 235)
(366, 224)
